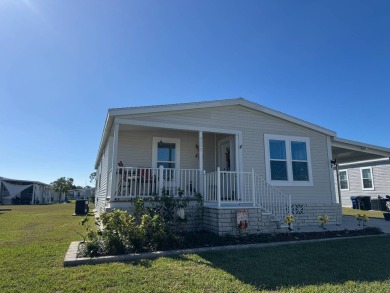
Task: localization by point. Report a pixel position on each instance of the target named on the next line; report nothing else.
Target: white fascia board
(360, 146)
(106, 130)
(173, 107)
(364, 162)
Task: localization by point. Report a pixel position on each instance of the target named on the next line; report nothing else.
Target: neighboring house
(84, 193)
(247, 161)
(16, 191)
(364, 178)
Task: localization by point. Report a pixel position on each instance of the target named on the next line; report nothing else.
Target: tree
(62, 185)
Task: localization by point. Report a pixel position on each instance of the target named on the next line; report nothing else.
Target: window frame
(372, 178)
(290, 180)
(346, 173)
(156, 140)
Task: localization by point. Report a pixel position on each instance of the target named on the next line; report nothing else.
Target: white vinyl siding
(252, 124)
(288, 160)
(102, 174)
(367, 178)
(343, 178)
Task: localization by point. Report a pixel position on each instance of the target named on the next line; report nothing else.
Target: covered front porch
(149, 159)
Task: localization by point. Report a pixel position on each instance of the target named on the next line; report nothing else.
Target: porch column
(114, 160)
(200, 156)
(338, 186)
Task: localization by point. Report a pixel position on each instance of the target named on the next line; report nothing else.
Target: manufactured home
(364, 178)
(245, 160)
(17, 191)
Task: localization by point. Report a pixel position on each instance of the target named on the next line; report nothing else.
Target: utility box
(81, 207)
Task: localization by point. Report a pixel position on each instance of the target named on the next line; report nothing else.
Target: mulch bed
(201, 239)
(205, 239)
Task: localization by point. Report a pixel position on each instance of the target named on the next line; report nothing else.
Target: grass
(34, 239)
(370, 214)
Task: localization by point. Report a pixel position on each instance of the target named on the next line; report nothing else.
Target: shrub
(154, 225)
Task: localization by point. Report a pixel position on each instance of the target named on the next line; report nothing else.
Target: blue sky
(64, 63)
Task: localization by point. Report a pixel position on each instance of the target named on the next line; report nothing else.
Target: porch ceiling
(347, 151)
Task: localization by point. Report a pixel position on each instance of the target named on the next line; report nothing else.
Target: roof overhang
(348, 151)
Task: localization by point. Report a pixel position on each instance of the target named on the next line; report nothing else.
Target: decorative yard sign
(242, 220)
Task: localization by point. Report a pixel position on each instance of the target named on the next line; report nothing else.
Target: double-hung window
(343, 179)
(367, 182)
(288, 160)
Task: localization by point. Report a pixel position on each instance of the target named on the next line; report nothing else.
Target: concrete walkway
(349, 223)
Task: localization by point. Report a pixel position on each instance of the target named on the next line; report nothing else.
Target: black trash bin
(382, 203)
(366, 203)
(81, 207)
(375, 204)
(354, 202)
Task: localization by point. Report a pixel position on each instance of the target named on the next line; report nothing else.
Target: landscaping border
(72, 260)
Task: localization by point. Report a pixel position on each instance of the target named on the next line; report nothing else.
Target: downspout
(338, 187)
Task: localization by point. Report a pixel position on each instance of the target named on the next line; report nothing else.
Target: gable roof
(217, 103)
(114, 112)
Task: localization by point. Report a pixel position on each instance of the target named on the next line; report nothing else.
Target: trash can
(375, 205)
(81, 207)
(382, 203)
(366, 203)
(354, 202)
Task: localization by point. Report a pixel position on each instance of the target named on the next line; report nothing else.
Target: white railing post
(219, 186)
(253, 188)
(160, 179)
(204, 194)
(289, 207)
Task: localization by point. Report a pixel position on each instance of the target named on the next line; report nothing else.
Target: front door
(226, 163)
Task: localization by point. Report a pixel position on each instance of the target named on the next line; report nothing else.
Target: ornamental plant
(362, 219)
(323, 220)
(289, 219)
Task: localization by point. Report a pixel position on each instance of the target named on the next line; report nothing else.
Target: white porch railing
(227, 187)
(136, 181)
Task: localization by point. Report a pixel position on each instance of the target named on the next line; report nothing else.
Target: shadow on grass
(147, 263)
(305, 264)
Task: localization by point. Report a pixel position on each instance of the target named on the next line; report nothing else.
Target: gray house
(364, 178)
(247, 161)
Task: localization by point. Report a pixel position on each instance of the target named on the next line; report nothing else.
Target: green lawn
(370, 214)
(34, 239)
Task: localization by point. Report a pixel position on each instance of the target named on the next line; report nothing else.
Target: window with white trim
(343, 179)
(166, 152)
(367, 181)
(288, 160)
